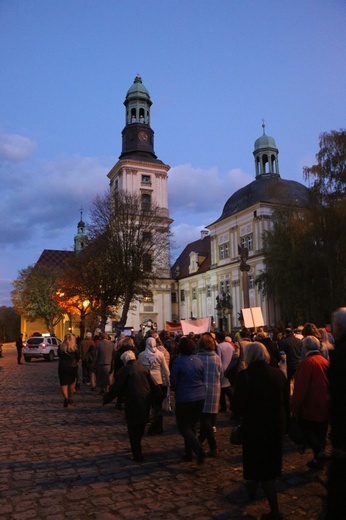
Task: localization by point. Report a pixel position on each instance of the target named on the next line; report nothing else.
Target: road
(59, 463)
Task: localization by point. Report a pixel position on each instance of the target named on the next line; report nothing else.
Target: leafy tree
(33, 295)
(328, 178)
(76, 290)
(132, 241)
(305, 252)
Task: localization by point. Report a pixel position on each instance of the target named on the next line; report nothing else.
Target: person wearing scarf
(155, 361)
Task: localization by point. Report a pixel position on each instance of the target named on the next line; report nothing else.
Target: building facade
(139, 171)
(214, 283)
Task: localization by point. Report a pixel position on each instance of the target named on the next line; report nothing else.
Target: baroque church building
(208, 275)
(207, 279)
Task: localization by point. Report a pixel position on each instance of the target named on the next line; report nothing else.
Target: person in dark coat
(261, 403)
(125, 344)
(135, 383)
(336, 505)
(68, 353)
(292, 347)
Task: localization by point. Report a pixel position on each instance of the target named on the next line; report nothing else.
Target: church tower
(139, 171)
(80, 239)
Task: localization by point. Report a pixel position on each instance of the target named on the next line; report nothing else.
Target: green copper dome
(265, 141)
(137, 89)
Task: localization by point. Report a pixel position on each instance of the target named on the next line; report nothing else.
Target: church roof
(137, 89)
(54, 258)
(268, 189)
(265, 141)
(202, 247)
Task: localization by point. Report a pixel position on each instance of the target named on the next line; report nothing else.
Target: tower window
(146, 202)
(146, 179)
(147, 263)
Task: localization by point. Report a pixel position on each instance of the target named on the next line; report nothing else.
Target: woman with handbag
(261, 403)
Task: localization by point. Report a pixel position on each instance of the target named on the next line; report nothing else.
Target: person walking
(293, 348)
(261, 404)
(310, 400)
(213, 371)
(155, 361)
(68, 353)
(86, 348)
(225, 351)
(134, 382)
(187, 380)
(103, 358)
(19, 347)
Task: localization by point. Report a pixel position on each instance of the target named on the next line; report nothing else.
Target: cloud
(42, 198)
(15, 148)
(198, 195)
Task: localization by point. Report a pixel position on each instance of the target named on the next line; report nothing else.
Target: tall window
(146, 201)
(246, 241)
(224, 251)
(194, 293)
(182, 295)
(147, 263)
(174, 297)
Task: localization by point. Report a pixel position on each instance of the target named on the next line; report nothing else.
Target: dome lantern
(266, 155)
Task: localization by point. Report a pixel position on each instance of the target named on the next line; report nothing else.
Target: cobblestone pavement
(58, 463)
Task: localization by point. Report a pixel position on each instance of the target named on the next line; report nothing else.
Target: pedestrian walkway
(59, 463)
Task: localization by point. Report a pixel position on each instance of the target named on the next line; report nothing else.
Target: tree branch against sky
(135, 242)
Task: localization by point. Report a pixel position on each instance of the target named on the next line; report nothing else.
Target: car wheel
(51, 356)
(27, 359)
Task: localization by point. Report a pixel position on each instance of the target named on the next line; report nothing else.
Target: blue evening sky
(213, 69)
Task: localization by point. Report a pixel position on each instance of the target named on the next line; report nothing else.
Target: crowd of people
(262, 378)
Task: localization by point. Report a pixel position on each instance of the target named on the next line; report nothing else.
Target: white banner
(196, 326)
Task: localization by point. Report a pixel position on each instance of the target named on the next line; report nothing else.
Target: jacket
(310, 399)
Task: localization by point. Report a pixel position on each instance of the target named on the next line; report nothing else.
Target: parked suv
(45, 347)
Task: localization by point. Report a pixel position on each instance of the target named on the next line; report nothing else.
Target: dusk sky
(214, 70)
